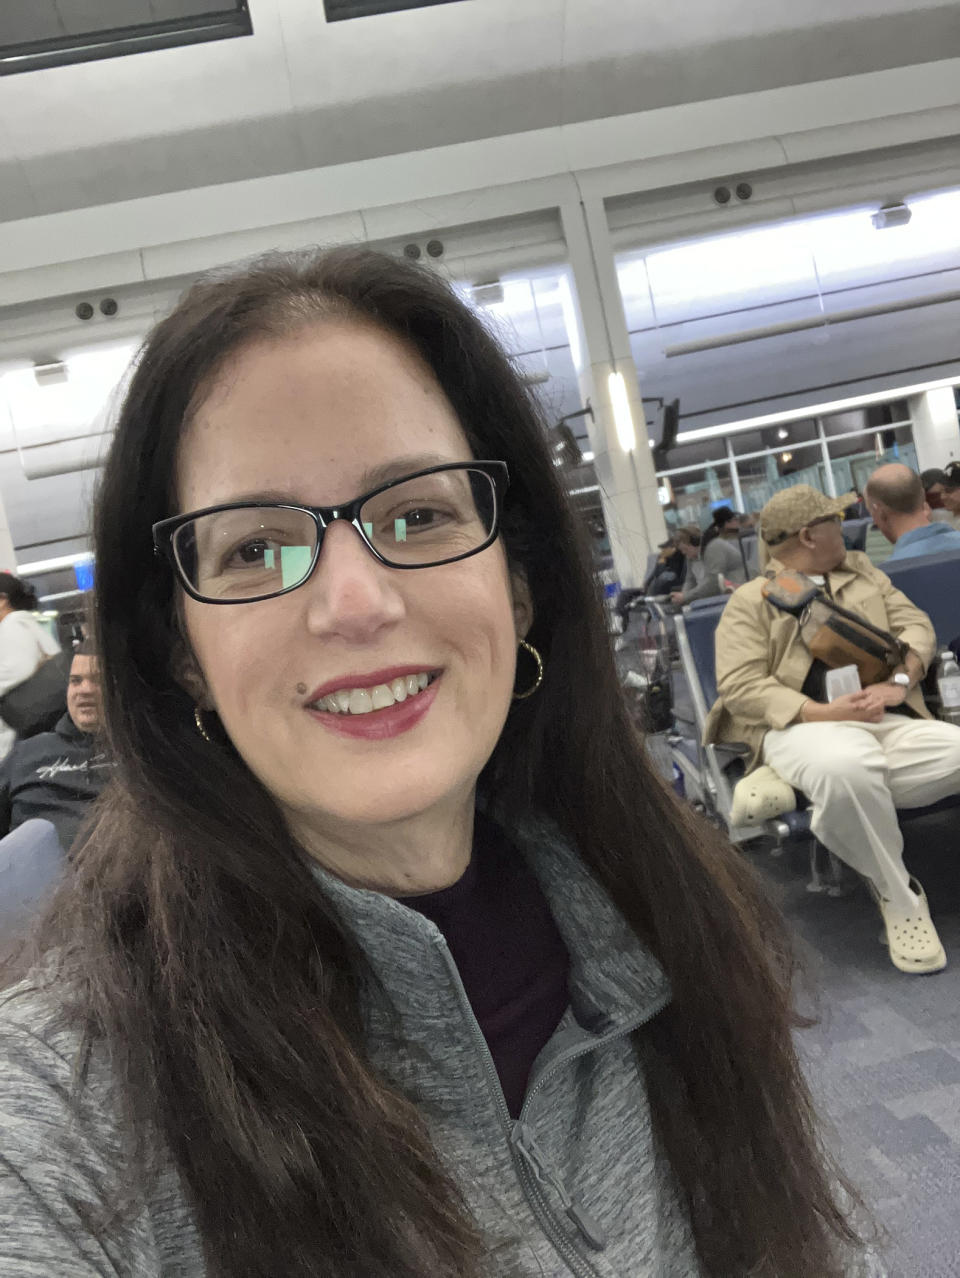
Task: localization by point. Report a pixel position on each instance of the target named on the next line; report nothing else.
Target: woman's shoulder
(38, 1032)
(74, 1196)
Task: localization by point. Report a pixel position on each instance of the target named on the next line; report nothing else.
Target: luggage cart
(643, 657)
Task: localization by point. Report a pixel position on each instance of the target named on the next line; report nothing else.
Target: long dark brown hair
(201, 950)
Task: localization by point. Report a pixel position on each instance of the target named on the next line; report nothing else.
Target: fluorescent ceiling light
(42, 566)
(73, 399)
(587, 457)
(622, 416)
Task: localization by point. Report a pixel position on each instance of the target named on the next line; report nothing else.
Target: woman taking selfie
(388, 954)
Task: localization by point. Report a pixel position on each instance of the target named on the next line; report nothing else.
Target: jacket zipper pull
(523, 1140)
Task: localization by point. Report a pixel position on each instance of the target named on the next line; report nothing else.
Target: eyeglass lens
(261, 550)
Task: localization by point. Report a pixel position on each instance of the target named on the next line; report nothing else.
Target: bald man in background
(898, 506)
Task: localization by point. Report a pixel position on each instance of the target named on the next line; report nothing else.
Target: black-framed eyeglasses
(244, 551)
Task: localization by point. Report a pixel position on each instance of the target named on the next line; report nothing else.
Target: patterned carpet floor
(884, 1058)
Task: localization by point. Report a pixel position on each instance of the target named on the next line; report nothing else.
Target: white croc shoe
(910, 935)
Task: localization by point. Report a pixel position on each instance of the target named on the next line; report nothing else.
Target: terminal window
(339, 10)
(36, 34)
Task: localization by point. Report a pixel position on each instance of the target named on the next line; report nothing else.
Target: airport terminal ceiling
(302, 92)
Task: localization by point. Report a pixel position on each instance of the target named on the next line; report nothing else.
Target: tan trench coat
(762, 661)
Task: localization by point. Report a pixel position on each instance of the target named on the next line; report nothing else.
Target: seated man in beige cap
(861, 756)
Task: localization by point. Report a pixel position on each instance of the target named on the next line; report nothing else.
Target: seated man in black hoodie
(56, 775)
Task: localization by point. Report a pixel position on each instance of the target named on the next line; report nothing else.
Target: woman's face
(951, 500)
(307, 419)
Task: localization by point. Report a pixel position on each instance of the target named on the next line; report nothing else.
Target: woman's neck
(421, 853)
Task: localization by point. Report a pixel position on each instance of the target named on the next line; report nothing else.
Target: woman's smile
(379, 712)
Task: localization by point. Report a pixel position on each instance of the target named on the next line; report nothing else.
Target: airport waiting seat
(31, 865)
(750, 550)
(855, 533)
(932, 582)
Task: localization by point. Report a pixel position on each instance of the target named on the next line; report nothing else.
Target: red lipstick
(379, 725)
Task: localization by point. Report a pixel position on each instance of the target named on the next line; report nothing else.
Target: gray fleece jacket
(574, 1187)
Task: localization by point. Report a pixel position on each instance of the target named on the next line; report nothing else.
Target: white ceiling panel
(129, 169)
(165, 92)
(424, 48)
(301, 93)
(719, 50)
(16, 196)
(417, 79)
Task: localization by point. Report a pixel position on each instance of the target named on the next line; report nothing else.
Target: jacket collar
(65, 727)
(614, 980)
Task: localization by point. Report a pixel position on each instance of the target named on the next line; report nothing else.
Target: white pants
(857, 774)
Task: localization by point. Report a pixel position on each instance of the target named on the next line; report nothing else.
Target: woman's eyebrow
(400, 466)
(372, 477)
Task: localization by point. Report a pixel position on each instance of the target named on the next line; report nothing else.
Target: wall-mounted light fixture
(622, 416)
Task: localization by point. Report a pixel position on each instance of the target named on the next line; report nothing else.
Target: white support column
(628, 485)
(8, 559)
(828, 480)
(735, 478)
(936, 432)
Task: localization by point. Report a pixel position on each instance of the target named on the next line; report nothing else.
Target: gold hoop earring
(200, 728)
(522, 696)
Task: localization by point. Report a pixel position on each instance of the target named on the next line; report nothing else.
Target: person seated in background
(56, 775)
(898, 506)
(668, 571)
(721, 517)
(24, 645)
(951, 492)
(856, 758)
(720, 561)
(933, 482)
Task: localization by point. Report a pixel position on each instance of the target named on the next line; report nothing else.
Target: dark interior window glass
(339, 10)
(37, 34)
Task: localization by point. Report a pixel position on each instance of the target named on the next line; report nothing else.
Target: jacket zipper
(532, 1166)
(523, 1136)
(523, 1139)
(528, 1182)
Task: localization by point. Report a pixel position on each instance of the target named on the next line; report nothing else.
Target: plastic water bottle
(948, 685)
